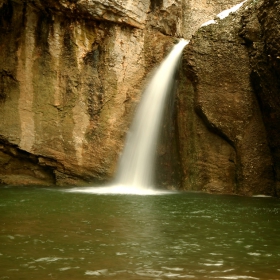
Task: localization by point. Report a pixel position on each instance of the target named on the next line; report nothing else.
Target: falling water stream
(136, 166)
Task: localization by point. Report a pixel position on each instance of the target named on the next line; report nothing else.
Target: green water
(49, 234)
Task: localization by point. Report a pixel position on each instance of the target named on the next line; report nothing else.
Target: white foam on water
(119, 189)
(213, 264)
(261, 195)
(49, 259)
(237, 277)
(97, 272)
(254, 254)
(173, 268)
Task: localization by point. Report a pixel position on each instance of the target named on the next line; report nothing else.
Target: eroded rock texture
(261, 31)
(198, 12)
(72, 73)
(68, 90)
(232, 144)
(181, 18)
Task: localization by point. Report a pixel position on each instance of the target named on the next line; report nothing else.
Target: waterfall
(136, 166)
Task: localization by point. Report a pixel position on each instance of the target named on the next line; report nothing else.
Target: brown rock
(261, 32)
(68, 88)
(72, 72)
(239, 159)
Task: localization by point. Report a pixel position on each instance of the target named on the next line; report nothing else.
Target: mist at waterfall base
(135, 173)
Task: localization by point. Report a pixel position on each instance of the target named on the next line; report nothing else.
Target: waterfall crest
(136, 166)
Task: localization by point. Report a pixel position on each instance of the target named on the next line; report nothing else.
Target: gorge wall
(72, 72)
(230, 111)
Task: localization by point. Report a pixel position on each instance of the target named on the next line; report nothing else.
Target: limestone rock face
(261, 33)
(130, 12)
(229, 151)
(72, 73)
(68, 88)
(198, 12)
(181, 18)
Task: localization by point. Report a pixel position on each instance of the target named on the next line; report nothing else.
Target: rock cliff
(261, 33)
(231, 72)
(72, 72)
(68, 86)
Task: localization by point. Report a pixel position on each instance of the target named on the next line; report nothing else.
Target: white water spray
(136, 167)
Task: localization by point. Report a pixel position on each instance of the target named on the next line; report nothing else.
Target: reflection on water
(49, 234)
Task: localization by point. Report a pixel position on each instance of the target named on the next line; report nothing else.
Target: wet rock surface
(261, 32)
(68, 88)
(72, 73)
(223, 89)
(133, 13)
